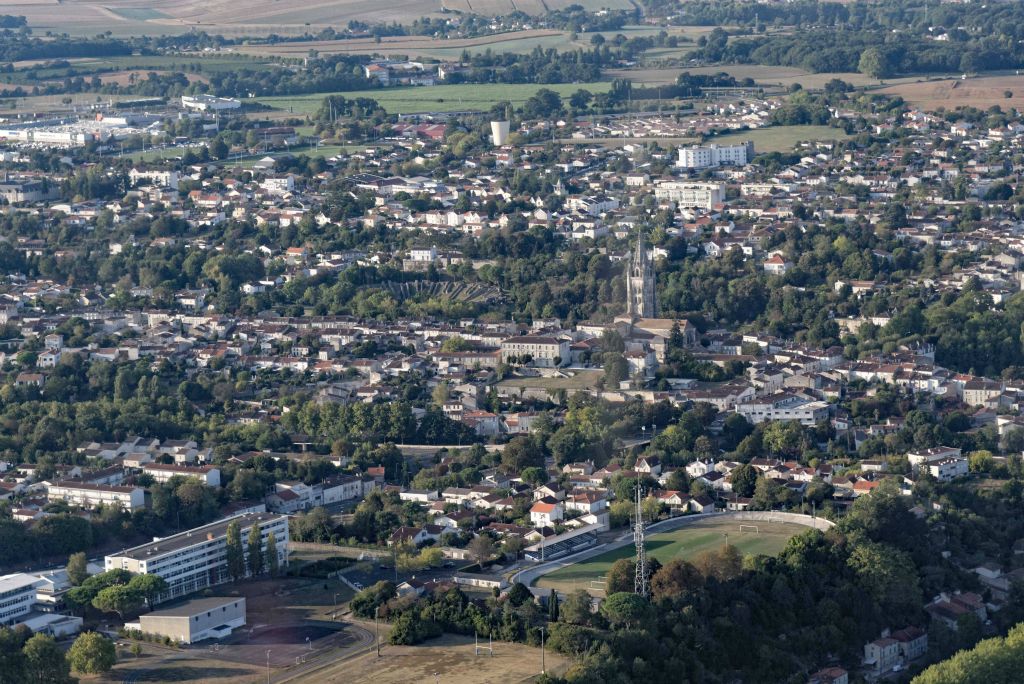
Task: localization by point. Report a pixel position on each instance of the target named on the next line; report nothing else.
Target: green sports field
(687, 542)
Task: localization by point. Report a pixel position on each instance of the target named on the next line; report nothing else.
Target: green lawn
(687, 543)
(580, 380)
(440, 98)
(781, 138)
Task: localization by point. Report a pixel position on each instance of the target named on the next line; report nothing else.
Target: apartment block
(89, 495)
(196, 559)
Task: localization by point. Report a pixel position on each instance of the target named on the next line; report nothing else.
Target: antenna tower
(640, 580)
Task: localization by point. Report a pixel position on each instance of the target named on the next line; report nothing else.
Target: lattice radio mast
(640, 580)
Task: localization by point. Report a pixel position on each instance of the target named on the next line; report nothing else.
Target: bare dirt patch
(450, 658)
(981, 92)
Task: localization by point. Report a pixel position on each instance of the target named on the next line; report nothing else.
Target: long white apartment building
(690, 195)
(88, 495)
(193, 560)
(710, 156)
(162, 472)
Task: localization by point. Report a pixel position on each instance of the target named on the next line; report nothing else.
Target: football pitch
(687, 543)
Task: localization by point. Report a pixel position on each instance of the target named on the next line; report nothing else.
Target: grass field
(441, 98)
(686, 543)
(450, 659)
(580, 380)
(781, 138)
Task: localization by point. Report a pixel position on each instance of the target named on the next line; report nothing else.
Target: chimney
(209, 536)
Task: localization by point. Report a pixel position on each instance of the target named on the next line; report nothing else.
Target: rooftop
(197, 535)
(195, 606)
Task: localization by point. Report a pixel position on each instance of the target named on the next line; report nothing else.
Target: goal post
(750, 528)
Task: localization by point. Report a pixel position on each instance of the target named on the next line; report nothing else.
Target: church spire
(640, 302)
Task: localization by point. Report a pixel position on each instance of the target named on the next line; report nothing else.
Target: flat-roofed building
(708, 156)
(691, 195)
(539, 349)
(196, 620)
(17, 596)
(162, 472)
(196, 559)
(88, 495)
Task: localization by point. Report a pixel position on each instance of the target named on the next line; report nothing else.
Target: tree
(92, 653)
(519, 594)
(235, 555)
(272, 561)
(889, 575)
(616, 369)
(440, 394)
(255, 551)
(118, 599)
(980, 461)
(368, 600)
(994, 660)
(44, 661)
(553, 606)
(621, 576)
(148, 586)
(521, 453)
(875, 63)
(576, 608)
(626, 609)
(535, 476)
(481, 548)
(744, 480)
(77, 568)
(676, 578)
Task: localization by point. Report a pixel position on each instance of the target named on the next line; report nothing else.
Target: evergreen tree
(235, 555)
(272, 567)
(553, 606)
(255, 551)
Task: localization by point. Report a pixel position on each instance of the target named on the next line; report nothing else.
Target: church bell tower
(640, 283)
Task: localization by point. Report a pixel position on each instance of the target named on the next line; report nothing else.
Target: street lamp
(376, 628)
(336, 606)
(268, 666)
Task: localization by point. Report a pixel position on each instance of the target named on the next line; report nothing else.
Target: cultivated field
(449, 659)
(253, 17)
(687, 543)
(441, 98)
(781, 138)
(424, 47)
(981, 92)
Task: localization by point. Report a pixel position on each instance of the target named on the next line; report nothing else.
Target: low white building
(205, 618)
(209, 103)
(948, 468)
(89, 495)
(162, 472)
(783, 406)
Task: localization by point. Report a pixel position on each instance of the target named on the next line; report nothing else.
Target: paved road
(364, 642)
